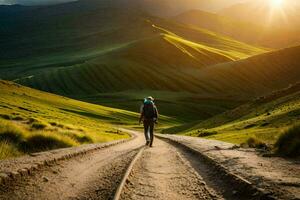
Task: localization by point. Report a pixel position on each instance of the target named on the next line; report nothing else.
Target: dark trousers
(148, 128)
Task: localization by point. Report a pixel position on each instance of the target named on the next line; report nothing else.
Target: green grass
(32, 121)
(182, 106)
(263, 119)
(288, 144)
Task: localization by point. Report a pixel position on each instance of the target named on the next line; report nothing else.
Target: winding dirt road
(132, 171)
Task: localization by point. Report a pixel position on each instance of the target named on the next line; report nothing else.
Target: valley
(74, 75)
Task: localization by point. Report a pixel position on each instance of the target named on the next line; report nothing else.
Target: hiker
(149, 116)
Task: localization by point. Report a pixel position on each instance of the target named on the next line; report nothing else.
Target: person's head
(148, 100)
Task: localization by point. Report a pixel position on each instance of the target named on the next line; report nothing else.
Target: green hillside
(84, 51)
(264, 118)
(146, 63)
(99, 51)
(255, 76)
(31, 120)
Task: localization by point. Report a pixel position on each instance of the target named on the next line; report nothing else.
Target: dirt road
(161, 173)
(166, 171)
(92, 176)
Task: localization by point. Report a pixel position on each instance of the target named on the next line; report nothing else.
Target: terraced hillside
(264, 118)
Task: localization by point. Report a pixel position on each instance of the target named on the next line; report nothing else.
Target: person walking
(149, 116)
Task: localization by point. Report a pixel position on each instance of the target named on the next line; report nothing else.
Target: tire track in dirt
(161, 174)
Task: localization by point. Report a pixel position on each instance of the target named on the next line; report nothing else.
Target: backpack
(149, 111)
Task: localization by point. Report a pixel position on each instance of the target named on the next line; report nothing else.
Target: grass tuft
(206, 133)
(43, 141)
(8, 150)
(254, 142)
(5, 116)
(79, 137)
(10, 132)
(38, 125)
(288, 144)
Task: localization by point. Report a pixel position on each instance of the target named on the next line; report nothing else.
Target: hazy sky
(31, 2)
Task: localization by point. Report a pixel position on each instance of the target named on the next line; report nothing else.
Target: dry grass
(254, 142)
(288, 144)
(8, 150)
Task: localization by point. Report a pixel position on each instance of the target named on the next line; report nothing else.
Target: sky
(31, 2)
(39, 2)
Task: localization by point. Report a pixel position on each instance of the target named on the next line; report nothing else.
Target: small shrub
(4, 116)
(83, 138)
(207, 133)
(31, 120)
(253, 142)
(53, 123)
(79, 137)
(38, 125)
(249, 126)
(46, 141)
(18, 118)
(57, 125)
(265, 124)
(10, 132)
(288, 144)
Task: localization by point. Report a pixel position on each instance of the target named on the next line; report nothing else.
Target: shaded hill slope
(264, 118)
(254, 76)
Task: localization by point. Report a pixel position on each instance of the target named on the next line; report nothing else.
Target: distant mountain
(246, 31)
(175, 7)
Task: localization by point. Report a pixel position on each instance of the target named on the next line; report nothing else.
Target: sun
(276, 3)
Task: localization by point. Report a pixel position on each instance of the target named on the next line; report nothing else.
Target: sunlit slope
(249, 32)
(30, 103)
(243, 31)
(264, 118)
(33, 121)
